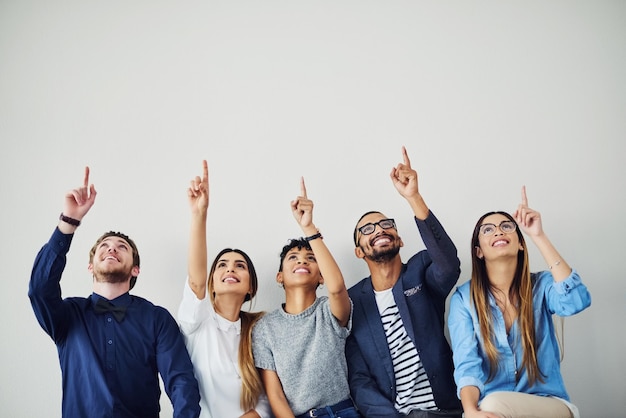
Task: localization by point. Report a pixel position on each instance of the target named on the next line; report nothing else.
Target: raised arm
(404, 179)
(198, 197)
(302, 209)
(529, 221)
(44, 288)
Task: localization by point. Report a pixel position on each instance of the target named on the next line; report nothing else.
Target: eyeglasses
(506, 227)
(371, 227)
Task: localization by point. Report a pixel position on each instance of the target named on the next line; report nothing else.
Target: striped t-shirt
(412, 385)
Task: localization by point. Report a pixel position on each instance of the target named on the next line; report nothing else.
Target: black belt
(320, 412)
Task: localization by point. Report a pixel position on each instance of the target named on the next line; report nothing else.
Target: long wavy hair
(520, 293)
(251, 385)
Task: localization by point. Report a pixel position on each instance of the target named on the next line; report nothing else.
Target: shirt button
(110, 342)
(108, 319)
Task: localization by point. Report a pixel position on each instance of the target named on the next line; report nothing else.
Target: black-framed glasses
(506, 227)
(371, 227)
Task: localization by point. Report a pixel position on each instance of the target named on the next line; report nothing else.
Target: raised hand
(404, 178)
(198, 192)
(302, 207)
(528, 219)
(78, 201)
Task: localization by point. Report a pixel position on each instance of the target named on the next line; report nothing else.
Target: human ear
(479, 252)
(359, 252)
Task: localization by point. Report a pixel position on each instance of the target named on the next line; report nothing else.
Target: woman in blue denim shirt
(506, 355)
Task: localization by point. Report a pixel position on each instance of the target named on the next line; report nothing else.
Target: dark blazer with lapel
(420, 294)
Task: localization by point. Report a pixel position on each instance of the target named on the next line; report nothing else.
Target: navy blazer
(420, 293)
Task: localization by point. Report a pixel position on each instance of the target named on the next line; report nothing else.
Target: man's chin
(384, 256)
(112, 277)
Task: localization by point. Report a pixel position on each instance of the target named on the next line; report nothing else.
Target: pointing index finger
(302, 187)
(86, 180)
(524, 197)
(405, 157)
(205, 171)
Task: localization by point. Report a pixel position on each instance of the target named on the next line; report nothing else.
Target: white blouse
(213, 345)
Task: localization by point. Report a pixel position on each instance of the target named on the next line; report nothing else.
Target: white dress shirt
(213, 345)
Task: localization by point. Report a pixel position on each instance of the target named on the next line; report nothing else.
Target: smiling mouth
(230, 279)
(301, 270)
(381, 240)
(500, 243)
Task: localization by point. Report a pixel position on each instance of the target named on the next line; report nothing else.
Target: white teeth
(500, 243)
(382, 240)
(230, 280)
(301, 270)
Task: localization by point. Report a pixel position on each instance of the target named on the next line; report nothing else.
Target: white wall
(487, 96)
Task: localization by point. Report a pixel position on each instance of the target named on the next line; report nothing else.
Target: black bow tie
(103, 306)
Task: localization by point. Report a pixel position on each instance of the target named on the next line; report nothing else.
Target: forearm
(446, 266)
(418, 206)
(333, 279)
(558, 266)
(470, 396)
(197, 257)
(44, 289)
(276, 395)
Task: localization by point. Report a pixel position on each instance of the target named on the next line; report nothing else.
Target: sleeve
(192, 311)
(263, 407)
(342, 332)
(368, 399)
(44, 288)
(262, 352)
(567, 297)
(468, 370)
(175, 368)
(443, 272)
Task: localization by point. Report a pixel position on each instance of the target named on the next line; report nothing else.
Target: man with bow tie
(112, 345)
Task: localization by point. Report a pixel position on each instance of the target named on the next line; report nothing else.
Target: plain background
(486, 96)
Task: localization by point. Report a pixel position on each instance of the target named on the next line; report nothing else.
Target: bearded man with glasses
(399, 360)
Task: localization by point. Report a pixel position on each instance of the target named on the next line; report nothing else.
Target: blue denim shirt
(471, 364)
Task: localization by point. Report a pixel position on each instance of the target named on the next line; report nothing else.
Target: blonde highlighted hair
(520, 294)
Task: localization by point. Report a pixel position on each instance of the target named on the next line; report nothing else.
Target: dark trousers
(434, 414)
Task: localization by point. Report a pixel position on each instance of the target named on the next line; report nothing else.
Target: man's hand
(404, 178)
(78, 201)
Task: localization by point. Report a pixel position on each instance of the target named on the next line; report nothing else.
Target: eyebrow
(237, 260)
(115, 240)
(295, 250)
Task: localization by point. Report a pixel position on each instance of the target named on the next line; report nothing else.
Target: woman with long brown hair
(505, 350)
(217, 331)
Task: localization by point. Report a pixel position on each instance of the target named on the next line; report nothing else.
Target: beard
(117, 275)
(383, 256)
